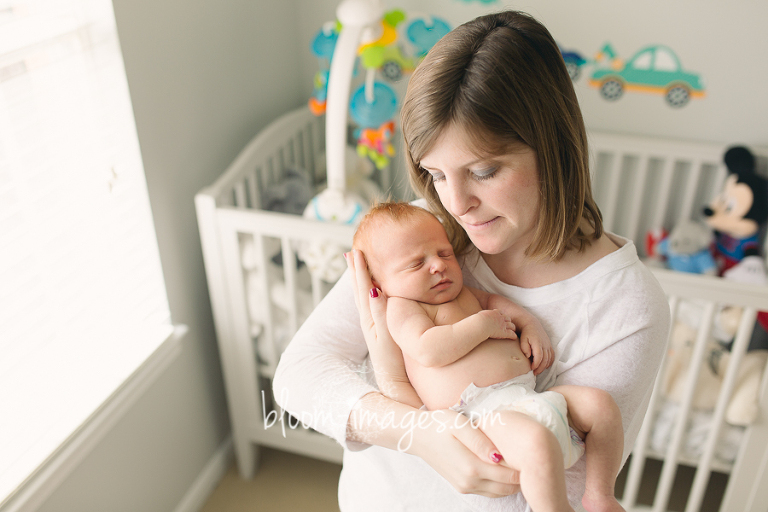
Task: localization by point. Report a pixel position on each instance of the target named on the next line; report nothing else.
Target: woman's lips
(478, 225)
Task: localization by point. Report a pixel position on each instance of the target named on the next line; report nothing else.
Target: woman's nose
(460, 198)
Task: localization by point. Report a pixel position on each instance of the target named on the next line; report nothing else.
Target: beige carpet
(284, 482)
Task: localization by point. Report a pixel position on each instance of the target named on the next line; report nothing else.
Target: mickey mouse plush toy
(740, 211)
(737, 216)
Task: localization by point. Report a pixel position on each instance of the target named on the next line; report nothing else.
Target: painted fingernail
(374, 293)
(496, 457)
(345, 255)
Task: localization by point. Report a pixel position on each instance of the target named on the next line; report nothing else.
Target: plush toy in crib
(743, 406)
(289, 195)
(687, 248)
(739, 213)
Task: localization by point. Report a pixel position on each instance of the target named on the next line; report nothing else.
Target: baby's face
(415, 260)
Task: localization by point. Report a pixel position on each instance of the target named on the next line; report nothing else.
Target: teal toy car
(654, 69)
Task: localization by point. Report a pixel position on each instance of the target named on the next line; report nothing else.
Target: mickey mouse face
(726, 213)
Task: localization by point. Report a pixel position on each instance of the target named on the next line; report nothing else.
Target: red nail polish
(374, 293)
(496, 457)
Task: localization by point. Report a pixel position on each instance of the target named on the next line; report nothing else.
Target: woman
(496, 145)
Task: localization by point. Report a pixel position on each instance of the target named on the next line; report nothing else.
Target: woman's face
(495, 199)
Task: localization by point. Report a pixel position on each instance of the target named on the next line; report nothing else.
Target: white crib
(639, 183)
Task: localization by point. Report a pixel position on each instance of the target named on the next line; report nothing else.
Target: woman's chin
(487, 246)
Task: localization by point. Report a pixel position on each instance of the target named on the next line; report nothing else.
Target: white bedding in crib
(697, 429)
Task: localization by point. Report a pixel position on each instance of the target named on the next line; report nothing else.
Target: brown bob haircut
(501, 80)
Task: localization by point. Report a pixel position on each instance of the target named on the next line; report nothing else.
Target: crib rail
(283, 233)
(708, 293)
(642, 183)
(295, 139)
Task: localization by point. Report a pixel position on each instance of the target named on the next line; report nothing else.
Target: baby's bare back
(492, 361)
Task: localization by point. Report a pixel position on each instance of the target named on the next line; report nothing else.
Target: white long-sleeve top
(608, 324)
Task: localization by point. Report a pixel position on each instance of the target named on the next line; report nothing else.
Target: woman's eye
(484, 175)
(436, 176)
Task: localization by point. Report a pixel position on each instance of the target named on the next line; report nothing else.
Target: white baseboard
(208, 479)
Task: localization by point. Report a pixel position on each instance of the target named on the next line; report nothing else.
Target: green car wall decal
(654, 69)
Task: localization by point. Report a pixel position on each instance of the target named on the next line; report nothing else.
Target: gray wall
(724, 42)
(204, 77)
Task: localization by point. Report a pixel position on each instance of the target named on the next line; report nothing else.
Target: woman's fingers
(500, 481)
(496, 479)
(351, 266)
(465, 457)
(363, 282)
(477, 442)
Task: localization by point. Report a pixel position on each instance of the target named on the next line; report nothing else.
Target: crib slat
(308, 162)
(263, 173)
(282, 162)
(268, 312)
(313, 137)
(751, 469)
(640, 179)
(253, 189)
(669, 467)
(317, 290)
(738, 350)
(240, 195)
(665, 188)
(291, 152)
(301, 151)
(613, 180)
(289, 274)
(686, 212)
(269, 172)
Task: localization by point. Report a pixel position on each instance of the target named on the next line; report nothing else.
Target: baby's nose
(438, 266)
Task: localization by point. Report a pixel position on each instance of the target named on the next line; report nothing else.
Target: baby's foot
(601, 503)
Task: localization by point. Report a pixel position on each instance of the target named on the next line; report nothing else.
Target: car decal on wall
(655, 69)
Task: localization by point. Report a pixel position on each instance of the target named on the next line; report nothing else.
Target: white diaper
(518, 394)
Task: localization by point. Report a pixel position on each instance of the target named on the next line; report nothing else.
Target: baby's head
(408, 253)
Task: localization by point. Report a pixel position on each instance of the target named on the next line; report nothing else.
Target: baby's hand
(501, 325)
(534, 341)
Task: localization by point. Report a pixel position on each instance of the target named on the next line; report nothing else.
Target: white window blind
(82, 298)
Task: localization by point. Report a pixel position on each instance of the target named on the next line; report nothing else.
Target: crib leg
(248, 456)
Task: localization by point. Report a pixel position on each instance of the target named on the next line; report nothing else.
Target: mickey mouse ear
(739, 160)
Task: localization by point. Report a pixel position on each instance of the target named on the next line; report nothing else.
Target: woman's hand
(386, 356)
(463, 455)
(376, 333)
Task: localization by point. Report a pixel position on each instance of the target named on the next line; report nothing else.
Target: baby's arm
(433, 346)
(533, 338)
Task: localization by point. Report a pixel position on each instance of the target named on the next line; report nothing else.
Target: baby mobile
(368, 39)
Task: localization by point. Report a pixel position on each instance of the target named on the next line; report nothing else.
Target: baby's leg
(597, 419)
(533, 450)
